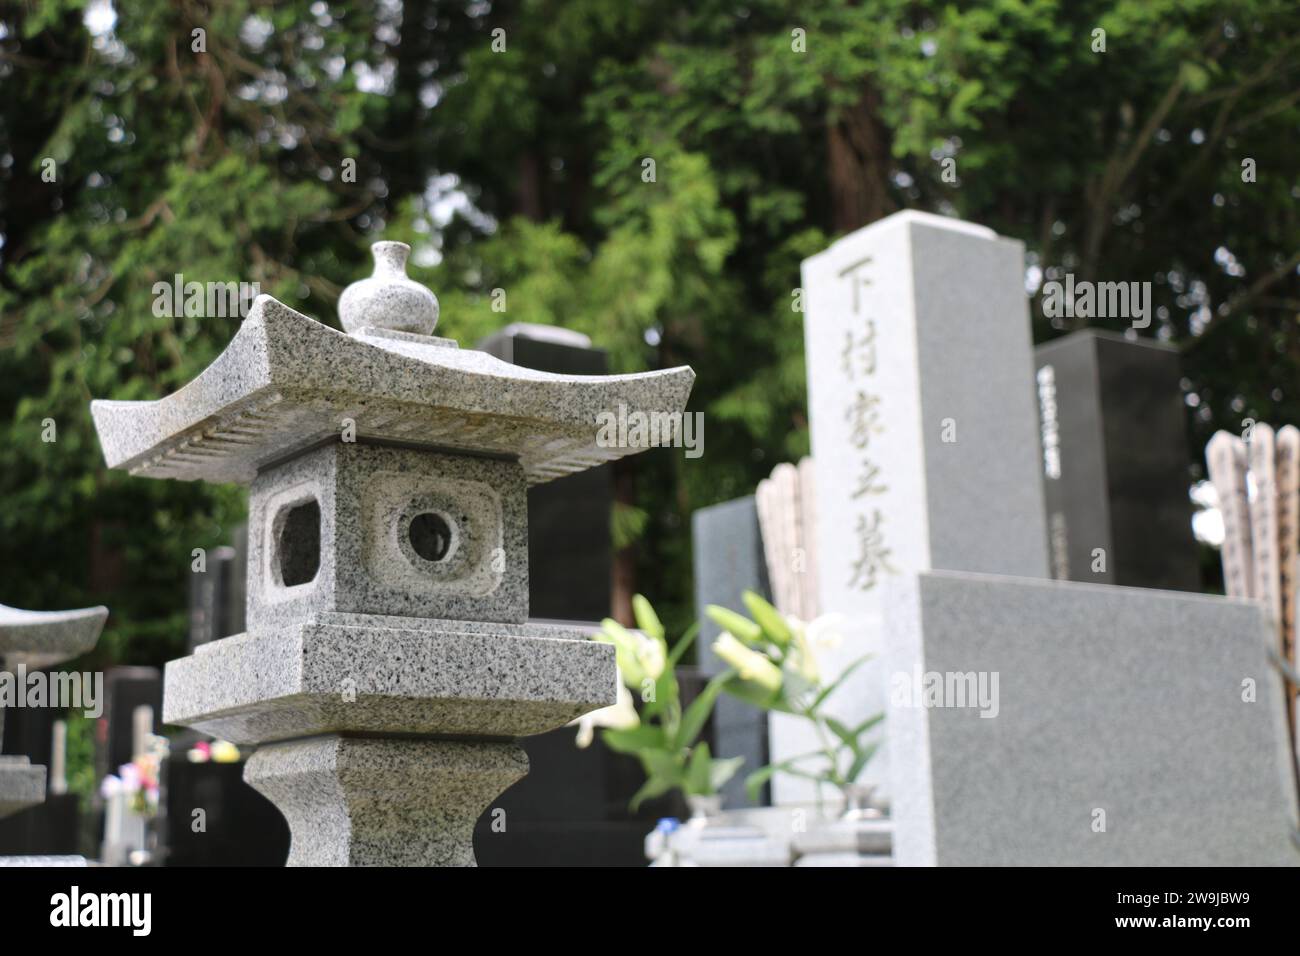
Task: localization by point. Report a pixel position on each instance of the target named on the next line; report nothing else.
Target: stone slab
(873, 836)
(287, 382)
(361, 674)
(44, 638)
(43, 861)
(924, 430)
(1118, 701)
(22, 785)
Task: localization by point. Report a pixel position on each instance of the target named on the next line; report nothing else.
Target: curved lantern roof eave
(45, 638)
(287, 383)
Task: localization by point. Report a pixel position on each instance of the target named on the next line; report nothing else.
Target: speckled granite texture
(1122, 735)
(45, 638)
(21, 785)
(42, 861)
(438, 678)
(388, 299)
(368, 497)
(367, 802)
(286, 383)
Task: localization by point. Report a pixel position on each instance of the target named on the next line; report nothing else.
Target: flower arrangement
(775, 668)
(662, 735)
(139, 779)
(218, 751)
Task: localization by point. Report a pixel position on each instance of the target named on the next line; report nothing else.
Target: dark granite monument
(1115, 463)
(569, 548)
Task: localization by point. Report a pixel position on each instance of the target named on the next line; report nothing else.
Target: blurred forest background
(522, 169)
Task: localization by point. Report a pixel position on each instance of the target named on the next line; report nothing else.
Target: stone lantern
(32, 640)
(389, 665)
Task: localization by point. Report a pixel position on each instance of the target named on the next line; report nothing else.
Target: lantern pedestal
(383, 802)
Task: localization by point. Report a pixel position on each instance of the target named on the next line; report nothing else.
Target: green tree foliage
(508, 142)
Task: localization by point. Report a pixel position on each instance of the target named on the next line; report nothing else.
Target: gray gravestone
(1115, 465)
(924, 432)
(1124, 727)
(729, 560)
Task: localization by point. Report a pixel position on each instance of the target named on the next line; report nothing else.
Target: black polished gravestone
(215, 819)
(569, 545)
(125, 689)
(576, 811)
(217, 600)
(572, 808)
(50, 828)
(1115, 464)
(728, 546)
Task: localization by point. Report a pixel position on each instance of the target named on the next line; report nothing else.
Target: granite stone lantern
(388, 665)
(32, 640)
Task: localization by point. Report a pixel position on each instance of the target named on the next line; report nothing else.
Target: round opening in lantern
(430, 536)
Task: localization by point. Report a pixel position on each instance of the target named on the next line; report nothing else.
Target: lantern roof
(287, 383)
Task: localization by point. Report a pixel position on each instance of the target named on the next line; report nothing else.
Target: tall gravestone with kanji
(924, 430)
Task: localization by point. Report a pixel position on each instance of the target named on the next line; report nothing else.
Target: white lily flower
(825, 632)
(750, 664)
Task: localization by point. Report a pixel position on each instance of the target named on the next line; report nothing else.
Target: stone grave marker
(1050, 723)
(1115, 464)
(924, 431)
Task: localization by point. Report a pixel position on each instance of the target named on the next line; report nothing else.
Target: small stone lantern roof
(37, 639)
(287, 382)
(45, 638)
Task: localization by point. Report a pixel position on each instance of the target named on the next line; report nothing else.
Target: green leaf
(697, 713)
(683, 643)
(755, 781)
(697, 773)
(662, 763)
(760, 776)
(866, 725)
(723, 770)
(654, 787)
(835, 684)
(841, 731)
(634, 740)
(860, 762)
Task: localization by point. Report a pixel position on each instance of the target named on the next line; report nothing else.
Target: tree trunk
(858, 159)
